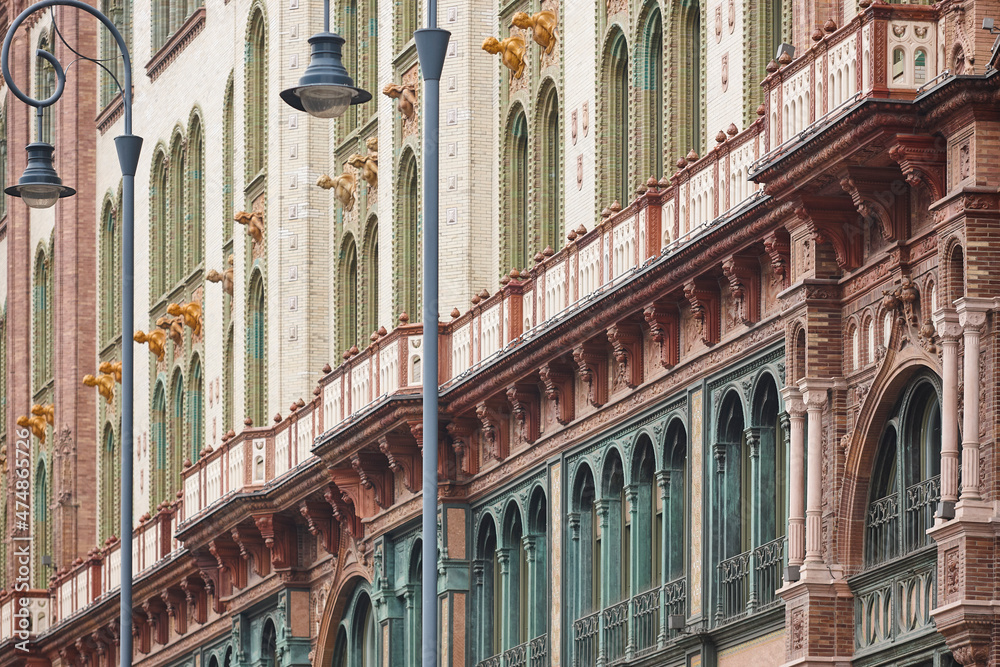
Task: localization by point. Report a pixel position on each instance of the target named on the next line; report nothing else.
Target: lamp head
(325, 89)
(40, 185)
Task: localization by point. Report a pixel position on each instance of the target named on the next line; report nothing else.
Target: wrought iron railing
(645, 621)
(538, 651)
(516, 656)
(921, 502)
(495, 661)
(615, 629)
(734, 587)
(882, 530)
(675, 597)
(768, 564)
(892, 606)
(586, 634)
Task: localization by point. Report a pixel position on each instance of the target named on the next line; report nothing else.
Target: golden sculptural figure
(542, 25)
(254, 224)
(105, 384)
(512, 49)
(407, 96)
(190, 312)
(343, 187)
(110, 368)
(37, 425)
(157, 339)
(174, 326)
(368, 166)
(47, 411)
(226, 277)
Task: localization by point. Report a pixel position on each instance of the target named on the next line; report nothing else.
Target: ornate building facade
(718, 379)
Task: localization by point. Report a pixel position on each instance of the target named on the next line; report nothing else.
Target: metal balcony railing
(586, 635)
(614, 620)
(921, 502)
(881, 530)
(734, 587)
(646, 621)
(768, 565)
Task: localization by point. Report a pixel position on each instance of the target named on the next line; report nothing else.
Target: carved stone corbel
(252, 548)
(208, 568)
(156, 611)
(280, 538)
(343, 502)
(461, 430)
(591, 364)
(922, 162)
(835, 221)
(558, 382)
(177, 608)
(404, 459)
(743, 274)
(664, 327)
(526, 411)
(321, 524)
(626, 348)
(195, 599)
(879, 196)
(371, 470)
(778, 247)
(495, 433)
(232, 569)
(703, 295)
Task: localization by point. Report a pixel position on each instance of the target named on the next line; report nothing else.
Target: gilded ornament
(254, 224)
(343, 188)
(156, 339)
(511, 50)
(542, 25)
(105, 384)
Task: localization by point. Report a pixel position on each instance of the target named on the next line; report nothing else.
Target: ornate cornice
(177, 43)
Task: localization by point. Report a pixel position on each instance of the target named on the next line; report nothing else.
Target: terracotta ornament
(105, 385)
(512, 50)
(226, 277)
(156, 339)
(343, 188)
(542, 25)
(190, 312)
(254, 224)
(407, 96)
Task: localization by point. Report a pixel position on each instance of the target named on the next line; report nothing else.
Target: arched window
(120, 13)
(357, 636)
(763, 28)
(228, 158)
(158, 225)
(615, 126)
(195, 410)
(110, 489)
(41, 528)
(110, 302)
(550, 192)
(348, 294)
(905, 484)
(675, 511)
(650, 84)
(348, 29)
(733, 508)
(256, 96)
(767, 448)
(538, 573)
(408, 264)
(516, 225)
(688, 35)
(585, 561)
(195, 163)
(919, 67)
(269, 645)
(227, 387)
(644, 510)
(159, 459)
(370, 287)
(409, 20)
(45, 86)
(412, 605)
(176, 212)
(177, 431)
(488, 591)
(514, 581)
(256, 407)
(615, 550)
(41, 321)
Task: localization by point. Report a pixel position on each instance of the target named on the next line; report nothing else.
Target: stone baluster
(949, 330)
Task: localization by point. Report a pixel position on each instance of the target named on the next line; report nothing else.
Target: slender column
(663, 482)
(603, 507)
(948, 329)
(483, 606)
(753, 443)
(815, 399)
(719, 452)
(632, 496)
(534, 608)
(971, 316)
(796, 483)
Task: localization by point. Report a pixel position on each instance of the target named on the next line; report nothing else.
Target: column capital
(794, 405)
(947, 324)
(814, 391)
(972, 311)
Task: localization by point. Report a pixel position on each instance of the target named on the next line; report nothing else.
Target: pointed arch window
(177, 432)
(195, 410)
(42, 528)
(615, 120)
(550, 223)
(195, 215)
(3, 159)
(159, 225)
(357, 642)
(42, 320)
(688, 36)
(228, 159)
(488, 591)
(110, 475)
(517, 234)
(348, 294)
(651, 94)
(585, 560)
(45, 86)
(348, 20)
(256, 100)
(120, 13)
(227, 387)
(176, 195)
(408, 264)
(257, 352)
(370, 315)
(159, 460)
(110, 304)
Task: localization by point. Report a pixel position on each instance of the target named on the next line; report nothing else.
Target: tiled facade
(710, 413)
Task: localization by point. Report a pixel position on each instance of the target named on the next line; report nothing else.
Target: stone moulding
(177, 43)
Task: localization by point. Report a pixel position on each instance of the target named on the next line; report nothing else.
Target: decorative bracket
(525, 408)
(343, 504)
(280, 538)
(559, 389)
(195, 598)
(703, 295)
(252, 548)
(743, 274)
(878, 195)
(461, 430)
(592, 364)
(320, 522)
(495, 432)
(371, 470)
(232, 572)
(626, 348)
(177, 608)
(778, 248)
(664, 326)
(922, 162)
(832, 220)
(404, 459)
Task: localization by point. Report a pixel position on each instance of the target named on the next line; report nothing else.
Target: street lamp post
(40, 187)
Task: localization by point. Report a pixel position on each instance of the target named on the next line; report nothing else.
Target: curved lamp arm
(125, 87)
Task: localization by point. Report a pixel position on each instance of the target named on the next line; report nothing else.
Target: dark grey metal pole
(128, 147)
(432, 44)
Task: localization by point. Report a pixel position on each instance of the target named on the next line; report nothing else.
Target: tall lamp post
(40, 187)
